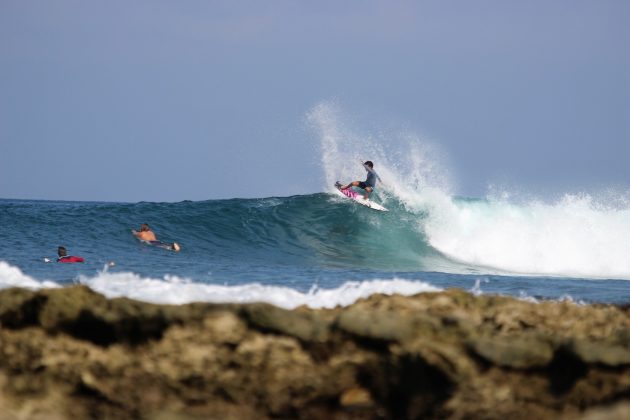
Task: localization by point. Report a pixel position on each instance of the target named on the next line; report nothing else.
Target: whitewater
(321, 250)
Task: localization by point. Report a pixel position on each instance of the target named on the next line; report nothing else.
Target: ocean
(322, 250)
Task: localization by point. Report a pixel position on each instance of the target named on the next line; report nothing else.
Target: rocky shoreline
(72, 353)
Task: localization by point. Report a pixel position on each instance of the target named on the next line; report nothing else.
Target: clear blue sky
(166, 101)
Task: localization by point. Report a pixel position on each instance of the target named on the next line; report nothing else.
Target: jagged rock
(620, 411)
(72, 353)
(303, 325)
(519, 352)
(608, 354)
(356, 397)
(19, 307)
(386, 326)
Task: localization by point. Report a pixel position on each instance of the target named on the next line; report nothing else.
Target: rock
(356, 397)
(305, 326)
(225, 327)
(523, 351)
(619, 411)
(20, 307)
(382, 326)
(595, 352)
(72, 353)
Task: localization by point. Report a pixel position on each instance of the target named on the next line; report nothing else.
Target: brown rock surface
(72, 353)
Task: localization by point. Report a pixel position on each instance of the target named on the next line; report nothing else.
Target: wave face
(571, 238)
(313, 231)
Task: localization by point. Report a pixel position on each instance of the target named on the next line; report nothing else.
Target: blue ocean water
(320, 249)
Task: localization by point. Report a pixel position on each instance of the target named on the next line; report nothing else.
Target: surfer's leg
(352, 184)
(368, 190)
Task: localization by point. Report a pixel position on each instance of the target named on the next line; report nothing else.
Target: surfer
(370, 182)
(146, 234)
(65, 258)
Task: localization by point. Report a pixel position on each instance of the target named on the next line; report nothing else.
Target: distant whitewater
(320, 249)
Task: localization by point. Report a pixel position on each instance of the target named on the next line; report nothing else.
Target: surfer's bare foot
(176, 247)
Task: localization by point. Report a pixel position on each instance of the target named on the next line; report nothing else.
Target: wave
(175, 290)
(575, 236)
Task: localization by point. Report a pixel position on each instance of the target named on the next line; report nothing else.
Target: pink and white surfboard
(358, 197)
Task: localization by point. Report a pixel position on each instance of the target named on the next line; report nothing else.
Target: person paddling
(65, 258)
(146, 234)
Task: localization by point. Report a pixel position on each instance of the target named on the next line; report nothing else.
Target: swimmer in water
(65, 258)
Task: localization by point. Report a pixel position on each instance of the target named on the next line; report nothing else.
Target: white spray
(176, 291)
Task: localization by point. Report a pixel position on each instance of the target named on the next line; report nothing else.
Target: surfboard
(171, 247)
(358, 198)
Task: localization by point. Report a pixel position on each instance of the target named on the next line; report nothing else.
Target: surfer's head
(144, 228)
(61, 251)
(370, 164)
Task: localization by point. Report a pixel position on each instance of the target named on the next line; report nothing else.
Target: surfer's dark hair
(144, 227)
(61, 251)
(369, 163)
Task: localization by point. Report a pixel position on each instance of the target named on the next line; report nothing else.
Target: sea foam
(574, 236)
(11, 276)
(175, 290)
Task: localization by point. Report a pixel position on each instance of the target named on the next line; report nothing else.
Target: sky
(169, 100)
